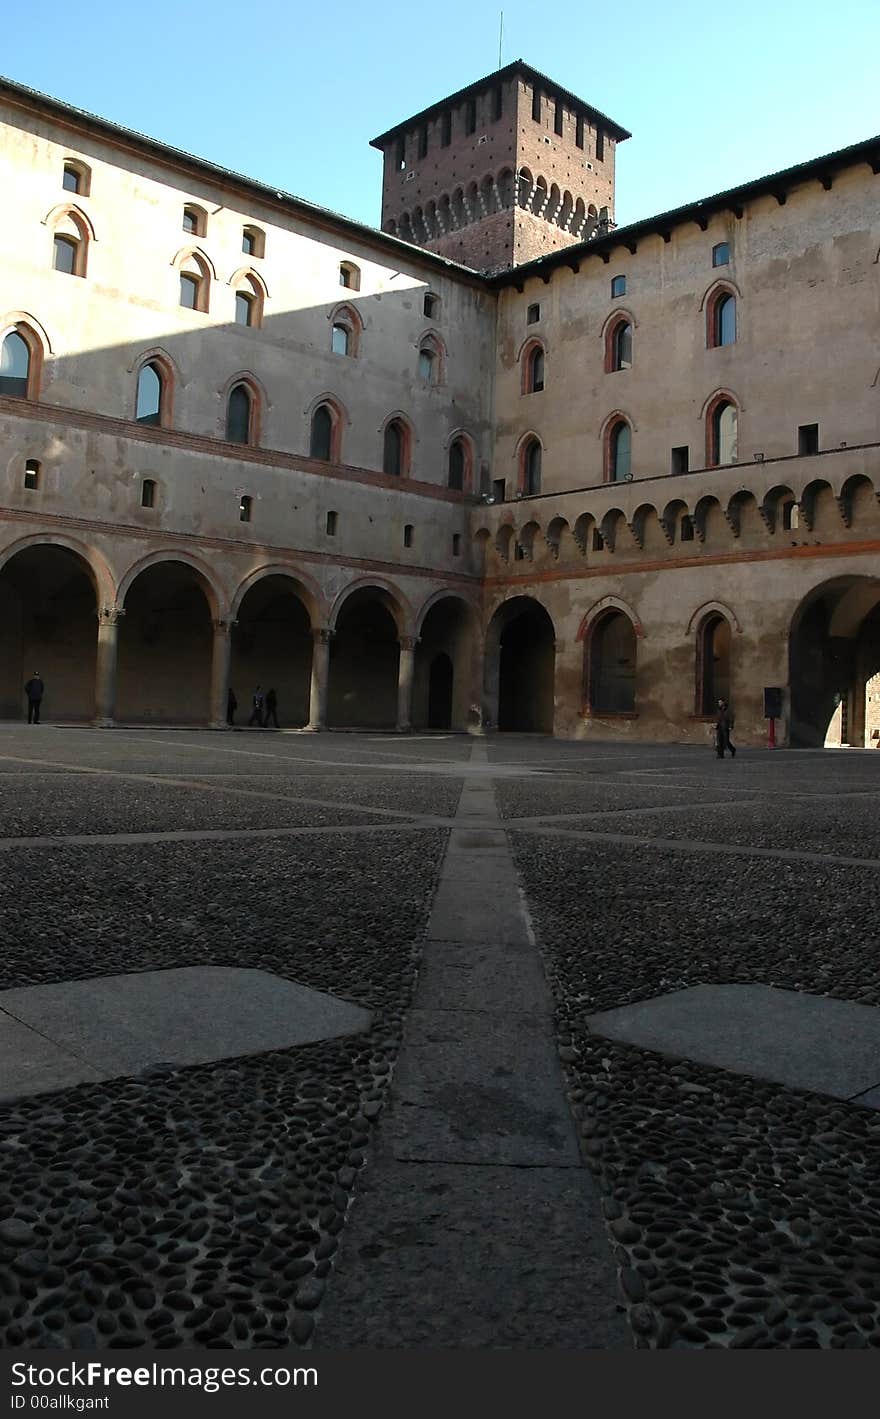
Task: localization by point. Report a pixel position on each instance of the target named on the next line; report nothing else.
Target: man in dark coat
(34, 690)
(723, 726)
(231, 707)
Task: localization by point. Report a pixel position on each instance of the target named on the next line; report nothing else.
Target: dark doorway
(440, 693)
(364, 660)
(527, 657)
(48, 623)
(834, 653)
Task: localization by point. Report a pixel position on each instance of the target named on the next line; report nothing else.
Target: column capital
(322, 635)
(223, 627)
(110, 615)
(407, 642)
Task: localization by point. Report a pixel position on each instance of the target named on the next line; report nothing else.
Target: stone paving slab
(805, 1041)
(54, 1036)
(539, 1275)
(454, 969)
(478, 1088)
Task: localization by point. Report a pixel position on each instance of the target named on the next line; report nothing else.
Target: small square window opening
(618, 286)
(331, 524)
(533, 314)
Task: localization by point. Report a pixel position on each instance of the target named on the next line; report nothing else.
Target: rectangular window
(408, 535)
(470, 116)
(808, 439)
(446, 129)
(244, 509)
(618, 286)
(558, 118)
(456, 544)
(243, 308)
(579, 131)
(423, 141)
(148, 493)
(400, 155)
(331, 524)
(32, 474)
(721, 254)
(536, 104)
(680, 459)
(533, 314)
(498, 489)
(498, 104)
(600, 144)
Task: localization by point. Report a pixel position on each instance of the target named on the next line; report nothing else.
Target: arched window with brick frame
(722, 430)
(154, 391)
(432, 359)
(397, 444)
(533, 367)
(243, 413)
(325, 431)
(721, 316)
(531, 458)
(460, 464)
(250, 298)
(345, 331)
(71, 235)
(618, 450)
(21, 362)
(619, 343)
(610, 664)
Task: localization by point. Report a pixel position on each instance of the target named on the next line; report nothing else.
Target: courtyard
(405, 1098)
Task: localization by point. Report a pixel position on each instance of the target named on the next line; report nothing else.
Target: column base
(101, 722)
(220, 724)
(313, 729)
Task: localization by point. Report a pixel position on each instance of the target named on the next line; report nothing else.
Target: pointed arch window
(722, 433)
(721, 318)
(618, 467)
(248, 302)
(458, 465)
(16, 366)
(534, 370)
(151, 394)
(427, 365)
(239, 414)
(395, 449)
(340, 339)
(195, 283)
(322, 438)
(532, 458)
(620, 346)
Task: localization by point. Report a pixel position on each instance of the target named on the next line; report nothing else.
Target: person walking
(231, 707)
(723, 726)
(257, 711)
(34, 689)
(271, 710)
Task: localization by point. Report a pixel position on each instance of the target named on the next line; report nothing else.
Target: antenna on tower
(500, 37)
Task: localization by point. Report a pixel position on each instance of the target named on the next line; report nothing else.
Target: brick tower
(501, 172)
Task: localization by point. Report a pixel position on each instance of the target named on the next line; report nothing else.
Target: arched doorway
(165, 648)
(713, 663)
(521, 660)
(834, 657)
(364, 661)
(444, 666)
(49, 623)
(440, 680)
(272, 647)
(611, 674)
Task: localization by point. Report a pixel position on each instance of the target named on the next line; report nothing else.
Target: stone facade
(589, 494)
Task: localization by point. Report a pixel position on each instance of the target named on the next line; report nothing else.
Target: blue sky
(714, 94)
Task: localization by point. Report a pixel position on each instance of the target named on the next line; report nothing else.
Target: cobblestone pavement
(207, 1205)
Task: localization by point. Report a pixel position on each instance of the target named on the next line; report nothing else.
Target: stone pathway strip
(811, 1042)
(56, 1036)
(476, 1223)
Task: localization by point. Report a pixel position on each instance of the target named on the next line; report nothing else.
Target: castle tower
(501, 172)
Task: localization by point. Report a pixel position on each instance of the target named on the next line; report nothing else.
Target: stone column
(406, 667)
(105, 666)
(321, 638)
(220, 656)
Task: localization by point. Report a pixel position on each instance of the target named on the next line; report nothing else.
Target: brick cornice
(218, 448)
(47, 522)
